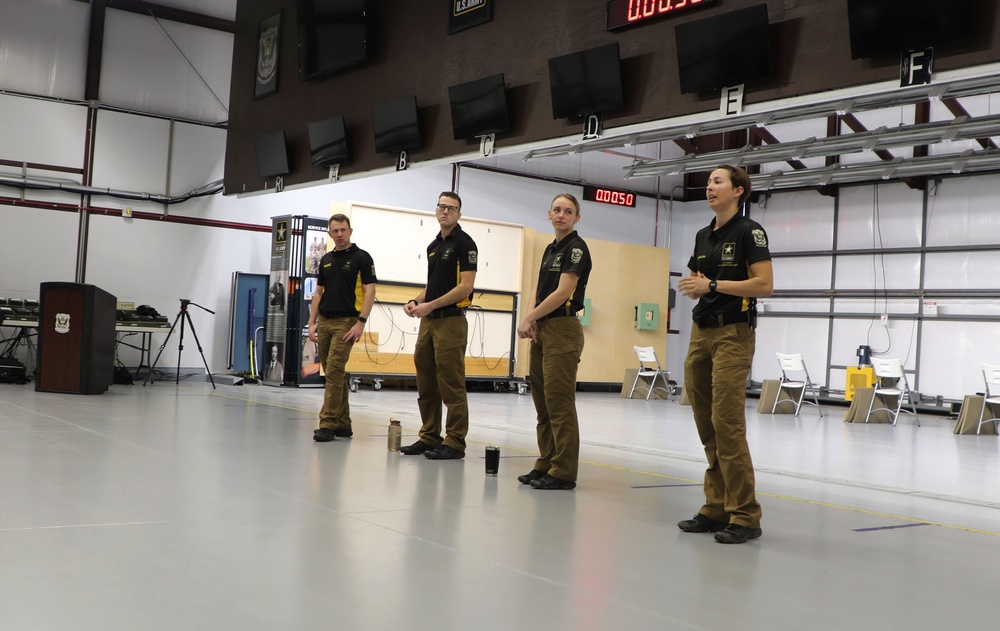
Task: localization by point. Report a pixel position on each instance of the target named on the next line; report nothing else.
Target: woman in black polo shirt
(556, 345)
(730, 267)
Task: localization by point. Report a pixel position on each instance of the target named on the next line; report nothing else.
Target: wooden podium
(76, 338)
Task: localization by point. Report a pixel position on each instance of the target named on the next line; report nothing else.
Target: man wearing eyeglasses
(439, 356)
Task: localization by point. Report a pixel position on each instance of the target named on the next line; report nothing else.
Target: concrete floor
(184, 508)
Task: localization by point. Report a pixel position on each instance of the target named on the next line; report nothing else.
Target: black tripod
(182, 315)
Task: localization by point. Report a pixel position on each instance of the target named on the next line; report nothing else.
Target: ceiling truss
(839, 109)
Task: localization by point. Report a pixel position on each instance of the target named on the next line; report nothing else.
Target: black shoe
(528, 477)
(444, 452)
(549, 483)
(343, 433)
(415, 449)
(324, 435)
(701, 523)
(734, 533)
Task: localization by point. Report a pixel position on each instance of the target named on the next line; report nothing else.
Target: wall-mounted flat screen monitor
(586, 82)
(479, 107)
(880, 27)
(724, 50)
(328, 142)
(397, 125)
(333, 34)
(272, 155)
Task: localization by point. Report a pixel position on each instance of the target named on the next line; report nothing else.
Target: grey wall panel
(43, 47)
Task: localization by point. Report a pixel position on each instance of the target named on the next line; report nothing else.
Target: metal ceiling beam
(957, 110)
(768, 137)
(142, 7)
(857, 126)
(966, 162)
(875, 141)
(840, 103)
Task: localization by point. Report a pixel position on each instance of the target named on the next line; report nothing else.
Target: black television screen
(272, 157)
(894, 26)
(479, 107)
(328, 142)
(397, 126)
(724, 50)
(586, 82)
(333, 34)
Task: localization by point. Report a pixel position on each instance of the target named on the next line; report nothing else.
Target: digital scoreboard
(609, 196)
(622, 13)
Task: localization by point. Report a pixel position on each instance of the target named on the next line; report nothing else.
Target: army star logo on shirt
(728, 251)
(759, 238)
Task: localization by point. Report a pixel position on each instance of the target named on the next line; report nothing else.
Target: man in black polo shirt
(730, 268)
(439, 356)
(556, 345)
(345, 293)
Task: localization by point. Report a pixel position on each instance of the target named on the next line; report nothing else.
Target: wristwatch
(711, 286)
(362, 319)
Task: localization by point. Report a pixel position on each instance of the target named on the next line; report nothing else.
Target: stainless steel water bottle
(395, 434)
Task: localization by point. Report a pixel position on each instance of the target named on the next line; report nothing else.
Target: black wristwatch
(362, 319)
(712, 286)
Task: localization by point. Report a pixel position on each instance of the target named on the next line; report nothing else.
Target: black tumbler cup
(492, 460)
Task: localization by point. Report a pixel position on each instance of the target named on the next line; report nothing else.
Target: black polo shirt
(569, 256)
(343, 274)
(727, 254)
(447, 258)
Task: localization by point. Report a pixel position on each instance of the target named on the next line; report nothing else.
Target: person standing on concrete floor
(345, 293)
(439, 356)
(730, 268)
(556, 345)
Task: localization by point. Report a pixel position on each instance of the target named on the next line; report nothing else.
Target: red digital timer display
(623, 13)
(609, 196)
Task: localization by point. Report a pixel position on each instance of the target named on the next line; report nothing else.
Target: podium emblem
(62, 323)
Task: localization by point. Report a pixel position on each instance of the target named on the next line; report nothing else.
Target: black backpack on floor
(12, 371)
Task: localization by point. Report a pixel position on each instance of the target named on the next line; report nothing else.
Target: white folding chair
(649, 366)
(795, 379)
(991, 375)
(899, 387)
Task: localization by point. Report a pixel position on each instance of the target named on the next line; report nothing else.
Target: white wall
(157, 262)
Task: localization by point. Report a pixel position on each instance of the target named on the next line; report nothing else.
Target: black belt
(722, 319)
(339, 314)
(561, 312)
(445, 313)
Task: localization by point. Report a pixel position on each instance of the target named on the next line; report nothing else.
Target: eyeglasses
(448, 209)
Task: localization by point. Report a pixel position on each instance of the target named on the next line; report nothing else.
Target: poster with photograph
(315, 249)
(273, 371)
(310, 372)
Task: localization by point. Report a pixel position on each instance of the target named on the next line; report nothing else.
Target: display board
(397, 239)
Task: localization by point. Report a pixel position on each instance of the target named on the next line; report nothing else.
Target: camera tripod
(182, 315)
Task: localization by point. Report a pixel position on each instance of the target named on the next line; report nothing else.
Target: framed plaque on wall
(266, 81)
(468, 13)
